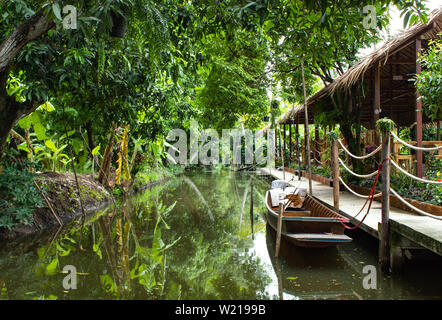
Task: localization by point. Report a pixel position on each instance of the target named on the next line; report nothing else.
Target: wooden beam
(402, 62)
(317, 155)
(284, 138)
(438, 130)
(307, 136)
(419, 155)
(298, 149)
(290, 143)
(335, 163)
(384, 250)
(376, 100)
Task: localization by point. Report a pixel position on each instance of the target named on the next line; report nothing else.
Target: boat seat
(318, 237)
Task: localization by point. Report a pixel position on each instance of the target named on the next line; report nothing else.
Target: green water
(193, 238)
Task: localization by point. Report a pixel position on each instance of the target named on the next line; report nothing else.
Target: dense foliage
(19, 197)
(153, 65)
(429, 81)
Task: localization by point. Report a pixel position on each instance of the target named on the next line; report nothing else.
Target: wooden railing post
(282, 155)
(384, 251)
(335, 164)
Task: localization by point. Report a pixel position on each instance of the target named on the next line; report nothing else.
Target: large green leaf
(39, 127)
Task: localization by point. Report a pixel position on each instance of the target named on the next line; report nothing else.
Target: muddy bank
(61, 192)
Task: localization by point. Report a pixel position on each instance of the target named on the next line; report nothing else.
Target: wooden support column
(284, 138)
(278, 145)
(384, 250)
(298, 149)
(438, 130)
(317, 155)
(419, 155)
(376, 100)
(335, 164)
(290, 143)
(282, 155)
(307, 137)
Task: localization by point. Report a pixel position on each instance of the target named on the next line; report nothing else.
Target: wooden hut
(388, 91)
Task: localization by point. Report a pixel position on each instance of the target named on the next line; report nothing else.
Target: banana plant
(56, 154)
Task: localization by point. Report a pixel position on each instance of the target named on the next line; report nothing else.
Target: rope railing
(357, 194)
(413, 207)
(355, 174)
(386, 129)
(360, 157)
(319, 152)
(414, 147)
(321, 143)
(413, 176)
(322, 163)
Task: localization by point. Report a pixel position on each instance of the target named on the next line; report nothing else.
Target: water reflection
(189, 239)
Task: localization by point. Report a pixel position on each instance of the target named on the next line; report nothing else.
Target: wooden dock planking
(414, 231)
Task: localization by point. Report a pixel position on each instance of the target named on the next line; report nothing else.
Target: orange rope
(370, 197)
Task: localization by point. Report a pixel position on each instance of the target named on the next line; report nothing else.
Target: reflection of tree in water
(210, 260)
(147, 248)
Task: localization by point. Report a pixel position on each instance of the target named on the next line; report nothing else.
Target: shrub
(19, 197)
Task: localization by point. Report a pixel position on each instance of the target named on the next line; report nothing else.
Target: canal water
(193, 237)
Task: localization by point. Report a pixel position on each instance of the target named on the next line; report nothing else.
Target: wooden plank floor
(425, 231)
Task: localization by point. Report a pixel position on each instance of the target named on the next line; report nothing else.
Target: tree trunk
(348, 118)
(10, 110)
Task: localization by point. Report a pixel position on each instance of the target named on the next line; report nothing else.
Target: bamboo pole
(279, 228)
(307, 135)
(49, 204)
(384, 254)
(335, 164)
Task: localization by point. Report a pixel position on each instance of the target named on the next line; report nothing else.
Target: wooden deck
(408, 230)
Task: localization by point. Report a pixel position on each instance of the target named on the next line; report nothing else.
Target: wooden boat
(312, 225)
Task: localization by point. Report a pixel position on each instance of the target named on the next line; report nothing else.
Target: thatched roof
(427, 30)
(400, 47)
(291, 113)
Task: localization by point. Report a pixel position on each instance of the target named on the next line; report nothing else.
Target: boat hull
(314, 231)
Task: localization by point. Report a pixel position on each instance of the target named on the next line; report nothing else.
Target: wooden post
(277, 142)
(279, 228)
(307, 135)
(284, 139)
(419, 154)
(376, 105)
(376, 100)
(335, 164)
(290, 143)
(384, 252)
(317, 154)
(282, 155)
(438, 130)
(298, 156)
